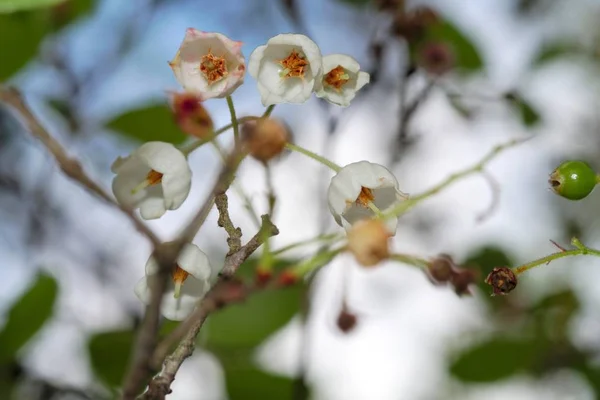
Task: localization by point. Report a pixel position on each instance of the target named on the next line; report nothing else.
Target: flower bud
(412, 25)
(436, 58)
(191, 116)
(502, 279)
(461, 280)
(264, 138)
(287, 278)
(263, 276)
(346, 320)
(368, 241)
(441, 269)
(573, 180)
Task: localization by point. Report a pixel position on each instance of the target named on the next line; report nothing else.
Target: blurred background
(449, 80)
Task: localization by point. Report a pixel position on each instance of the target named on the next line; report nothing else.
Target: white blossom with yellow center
(341, 79)
(189, 283)
(154, 178)
(286, 69)
(361, 189)
(209, 64)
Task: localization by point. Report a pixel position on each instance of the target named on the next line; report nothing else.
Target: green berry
(573, 180)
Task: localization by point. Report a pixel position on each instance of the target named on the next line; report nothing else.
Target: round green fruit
(573, 180)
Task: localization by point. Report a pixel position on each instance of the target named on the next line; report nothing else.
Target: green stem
(404, 206)
(317, 261)
(234, 122)
(333, 237)
(581, 250)
(199, 143)
(410, 260)
(314, 156)
(268, 111)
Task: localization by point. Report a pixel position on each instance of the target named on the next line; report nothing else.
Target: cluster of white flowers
(288, 69)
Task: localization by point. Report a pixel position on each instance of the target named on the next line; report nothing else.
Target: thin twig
(70, 166)
(235, 234)
(189, 329)
(271, 199)
(166, 256)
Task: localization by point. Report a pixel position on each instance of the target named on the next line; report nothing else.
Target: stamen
(179, 276)
(153, 178)
(365, 197)
(293, 65)
(213, 68)
(337, 78)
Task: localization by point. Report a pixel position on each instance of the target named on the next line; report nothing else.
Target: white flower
(187, 287)
(341, 79)
(154, 178)
(358, 186)
(209, 64)
(286, 69)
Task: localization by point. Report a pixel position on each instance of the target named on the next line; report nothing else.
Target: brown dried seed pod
(502, 280)
(264, 139)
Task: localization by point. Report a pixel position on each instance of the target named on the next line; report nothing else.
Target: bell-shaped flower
(209, 64)
(341, 79)
(188, 284)
(360, 190)
(286, 69)
(154, 178)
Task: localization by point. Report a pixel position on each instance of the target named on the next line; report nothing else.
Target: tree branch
(70, 166)
(166, 257)
(159, 387)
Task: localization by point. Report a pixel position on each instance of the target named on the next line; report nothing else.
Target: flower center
(213, 68)
(153, 178)
(179, 276)
(293, 65)
(336, 78)
(365, 197)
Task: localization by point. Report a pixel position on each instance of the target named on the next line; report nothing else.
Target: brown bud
(368, 241)
(412, 25)
(441, 269)
(346, 320)
(191, 116)
(436, 58)
(264, 138)
(461, 279)
(502, 279)
(263, 276)
(227, 291)
(287, 278)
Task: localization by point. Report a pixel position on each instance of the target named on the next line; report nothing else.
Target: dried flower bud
(346, 320)
(229, 291)
(191, 116)
(502, 279)
(412, 25)
(461, 280)
(368, 241)
(287, 278)
(263, 276)
(436, 58)
(441, 269)
(264, 138)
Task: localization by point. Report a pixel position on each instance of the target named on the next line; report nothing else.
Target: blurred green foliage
(154, 122)
(27, 316)
(109, 355)
(22, 32)
(466, 55)
(9, 6)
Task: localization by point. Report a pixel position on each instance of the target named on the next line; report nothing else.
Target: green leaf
(70, 11)
(529, 116)
(20, 36)
(494, 360)
(466, 54)
(10, 6)
(553, 51)
(245, 381)
(109, 355)
(27, 316)
(248, 324)
(147, 124)
(356, 3)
